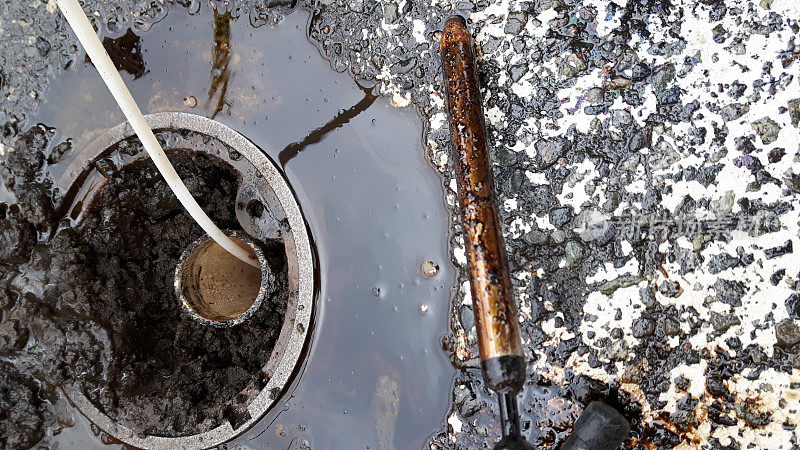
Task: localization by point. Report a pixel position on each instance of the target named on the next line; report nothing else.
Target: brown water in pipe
(217, 285)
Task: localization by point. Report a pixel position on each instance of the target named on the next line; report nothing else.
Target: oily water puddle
(378, 371)
(375, 370)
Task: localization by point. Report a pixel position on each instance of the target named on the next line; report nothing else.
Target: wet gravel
(646, 158)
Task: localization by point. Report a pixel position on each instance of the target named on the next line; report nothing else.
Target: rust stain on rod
(493, 303)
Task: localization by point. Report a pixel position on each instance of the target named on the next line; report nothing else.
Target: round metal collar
(262, 180)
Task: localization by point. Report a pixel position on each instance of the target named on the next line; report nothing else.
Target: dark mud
(95, 305)
(24, 413)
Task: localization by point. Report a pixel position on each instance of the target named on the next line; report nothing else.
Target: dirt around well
(95, 306)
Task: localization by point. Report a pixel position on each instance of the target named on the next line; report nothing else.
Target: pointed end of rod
(509, 417)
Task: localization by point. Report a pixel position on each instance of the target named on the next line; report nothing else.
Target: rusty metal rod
(502, 358)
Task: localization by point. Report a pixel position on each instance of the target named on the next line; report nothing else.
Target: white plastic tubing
(102, 62)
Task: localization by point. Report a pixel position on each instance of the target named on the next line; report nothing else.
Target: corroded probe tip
(455, 30)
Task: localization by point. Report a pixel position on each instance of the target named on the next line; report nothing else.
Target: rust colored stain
(493, 303)
(220, 69)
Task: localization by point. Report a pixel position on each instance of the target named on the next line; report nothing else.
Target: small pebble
(429, 268)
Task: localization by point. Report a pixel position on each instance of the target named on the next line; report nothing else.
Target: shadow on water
(344, 117)
(375, 375)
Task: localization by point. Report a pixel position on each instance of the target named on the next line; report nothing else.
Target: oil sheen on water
(375, 374)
